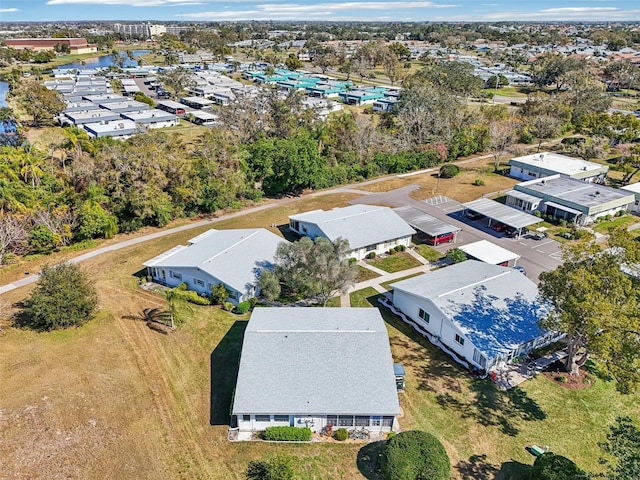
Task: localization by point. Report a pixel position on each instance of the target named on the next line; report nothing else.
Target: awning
(502, 213)
(563, 208)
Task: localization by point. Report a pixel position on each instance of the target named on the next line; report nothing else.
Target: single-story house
(569, 199)
(544, 164)
(120, 129)
(124, 107)
(90, 116)
(362, 97)
(385, 104)
(202, 118)
(197, 102)
(234, 258)
(368, 228)
(484, 314)
(635, 189)
(153, 118)
(311, 367)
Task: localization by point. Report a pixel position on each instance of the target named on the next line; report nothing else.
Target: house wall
(523, 205)
(196, 280)
(317, 422)
(167, 123)
(380, 248)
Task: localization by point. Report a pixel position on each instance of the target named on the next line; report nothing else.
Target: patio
(514, 374)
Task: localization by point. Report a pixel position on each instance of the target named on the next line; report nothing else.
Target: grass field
(395, 263)
(429, 253)
(115, 399)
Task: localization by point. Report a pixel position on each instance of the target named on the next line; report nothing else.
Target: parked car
(499, 227)
(438, 239)
(470, 214)
(513, 232)
(520, 269)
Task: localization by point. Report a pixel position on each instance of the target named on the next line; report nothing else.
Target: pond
(105, 61)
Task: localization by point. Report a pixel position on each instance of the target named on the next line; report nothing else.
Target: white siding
(316, 422)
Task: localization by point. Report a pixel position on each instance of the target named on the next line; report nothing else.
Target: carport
(498, 212)
(488, 252)
(431, 226)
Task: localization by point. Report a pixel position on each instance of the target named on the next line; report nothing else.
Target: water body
(105, 61)
(4, 89)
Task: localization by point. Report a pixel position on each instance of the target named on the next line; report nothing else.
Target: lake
(105, 61)
(4, 89)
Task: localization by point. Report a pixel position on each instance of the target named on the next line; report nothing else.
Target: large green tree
(39, 102)
(595, 303)
(64, 297)
(623, 443)
(414, 455)
(311, 269)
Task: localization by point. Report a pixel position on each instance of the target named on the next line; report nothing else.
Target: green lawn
(333, 302)
(429, 253)
(367, 297)
(365, 274)
(395, 263)
(616, 222)
(387, 285)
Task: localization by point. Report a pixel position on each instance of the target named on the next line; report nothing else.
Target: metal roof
(233, 257)
(522, 196)
(502, 213)
(361, 225)
(298, 360)
(551, 163)
(424, 222)
(497, 308)
(562, 207)
(488, 252)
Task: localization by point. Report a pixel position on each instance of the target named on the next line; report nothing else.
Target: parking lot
(536, 255)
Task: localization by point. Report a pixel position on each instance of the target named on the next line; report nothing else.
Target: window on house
(479, 358)
(163, 274)
(175, 275)
(459, 339)
(198, 282)
(263, 418)
(375, 421)
(345, 420)
(281, 418)
(387, 421)
(332, 419)
(246, 418)
(362, 421)
(370, 248)
(423, 315)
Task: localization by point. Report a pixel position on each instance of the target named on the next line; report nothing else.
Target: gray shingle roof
(361, 225)
(316, 361)
(231, 256)
(496, 307)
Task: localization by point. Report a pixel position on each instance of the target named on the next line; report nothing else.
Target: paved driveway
(536, 255)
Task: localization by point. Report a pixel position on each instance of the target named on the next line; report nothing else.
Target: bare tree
(13, 237)
(502, 134)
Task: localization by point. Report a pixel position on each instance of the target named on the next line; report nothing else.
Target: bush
(550, 466)
(253, 301)
(243, 307)
(64, 297)
(287, 434)
(414, 454)
(478, 182)
(219, 294)
(228, 306)
(353, 260)
(449, 170)
(190, 296)
(401, 248)
(341, 434)
(371, 255)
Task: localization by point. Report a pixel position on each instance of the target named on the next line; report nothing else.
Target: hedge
(414, 454)
(191, 297)
(287, 434)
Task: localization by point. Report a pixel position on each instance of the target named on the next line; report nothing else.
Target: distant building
(635, 189)
(76, 45)
(544, 164)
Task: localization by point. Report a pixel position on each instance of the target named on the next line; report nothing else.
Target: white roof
(150, 116)
(488, 252)
(361, 225)
(634, 187)
(300, 360)
(496, 307)
(234, 257)
(556, 163)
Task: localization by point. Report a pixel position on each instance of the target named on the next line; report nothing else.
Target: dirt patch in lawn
(565, 380)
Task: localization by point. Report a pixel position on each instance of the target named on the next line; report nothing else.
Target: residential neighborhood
(240, 244)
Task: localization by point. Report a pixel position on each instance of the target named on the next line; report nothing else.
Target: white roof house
(635, 189)
(368, 228)
(153, 118)
(482, 313)
(573, 200)
(488, 252)
(544, 164)
(232, 257)
(120, 129)
(313, 366)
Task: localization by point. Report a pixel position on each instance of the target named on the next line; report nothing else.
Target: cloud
(132, 3)
(565, 14)
(311, 11)
(8, 10)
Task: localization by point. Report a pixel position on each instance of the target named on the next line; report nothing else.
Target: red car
(499, 227)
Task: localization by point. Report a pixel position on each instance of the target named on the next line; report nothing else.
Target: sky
(323, 10)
